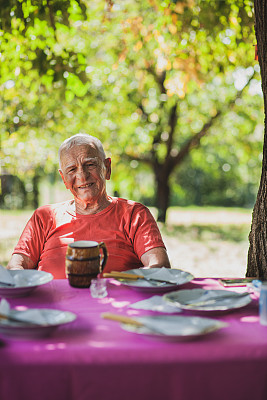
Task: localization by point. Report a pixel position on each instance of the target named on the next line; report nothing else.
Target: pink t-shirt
(127, 228)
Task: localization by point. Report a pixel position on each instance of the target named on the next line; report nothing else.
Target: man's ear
(107, 163)
(62, 176)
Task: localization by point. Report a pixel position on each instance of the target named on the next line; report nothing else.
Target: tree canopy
(152, 79)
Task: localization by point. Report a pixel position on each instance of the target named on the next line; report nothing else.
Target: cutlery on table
(213, 300)
(7, 284)
(121, 318)
(129, 320)
(124, 275)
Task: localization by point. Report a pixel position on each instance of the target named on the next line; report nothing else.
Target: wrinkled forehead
(81, 151)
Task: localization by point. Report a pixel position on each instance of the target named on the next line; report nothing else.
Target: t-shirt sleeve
(144, 232)
(32, 239)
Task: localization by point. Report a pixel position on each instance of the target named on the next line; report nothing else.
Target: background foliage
(170, 87)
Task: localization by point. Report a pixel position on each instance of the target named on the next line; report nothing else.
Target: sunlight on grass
(232, 233)
(12, 223)
(247, 211)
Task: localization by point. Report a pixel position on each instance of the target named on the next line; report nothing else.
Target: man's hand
(20, 261)
(156, 258)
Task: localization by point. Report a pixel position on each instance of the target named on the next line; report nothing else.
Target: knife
(124, 275)
(7, 284)
(121, 318)
(128, 320)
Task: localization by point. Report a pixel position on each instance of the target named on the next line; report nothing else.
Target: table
(94, 359)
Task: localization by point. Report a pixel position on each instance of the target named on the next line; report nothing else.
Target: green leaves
(75, 86)
(117, 71)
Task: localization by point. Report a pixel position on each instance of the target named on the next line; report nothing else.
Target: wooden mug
(84, 262)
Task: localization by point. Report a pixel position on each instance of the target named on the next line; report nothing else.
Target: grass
(12, 223)
(240, 210)
(208, 223)
(232, 233)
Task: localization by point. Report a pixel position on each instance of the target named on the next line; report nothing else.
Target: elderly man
(127, 228)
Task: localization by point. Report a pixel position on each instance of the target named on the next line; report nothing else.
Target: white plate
(143, 285)
(20, 330)
(187, 327)
(33, 279)
(182, 298)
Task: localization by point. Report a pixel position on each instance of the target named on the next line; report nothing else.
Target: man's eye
(91, 165)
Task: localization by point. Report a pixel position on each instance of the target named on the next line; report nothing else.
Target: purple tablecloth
(94, 359)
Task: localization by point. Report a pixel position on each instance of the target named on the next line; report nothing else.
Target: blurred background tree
(170, 87)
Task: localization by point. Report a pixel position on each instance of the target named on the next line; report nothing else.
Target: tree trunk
(257, 254)
(35, 184)
(162, 193)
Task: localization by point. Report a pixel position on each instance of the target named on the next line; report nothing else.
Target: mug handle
(104, 256)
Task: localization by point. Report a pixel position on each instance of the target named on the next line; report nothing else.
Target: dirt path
(214, 258)
(224, 217)
(209, 258)
(12, 225)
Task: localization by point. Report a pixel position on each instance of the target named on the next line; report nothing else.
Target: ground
(210, 259)
(211, 243)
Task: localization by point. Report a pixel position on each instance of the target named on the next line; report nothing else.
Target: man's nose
(82, 173)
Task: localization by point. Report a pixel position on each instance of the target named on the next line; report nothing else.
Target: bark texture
(257, 254)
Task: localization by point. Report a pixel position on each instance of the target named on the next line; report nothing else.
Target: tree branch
(194, 141)
(143, 159)
(51, 16)
(172, 124)
(159, 79)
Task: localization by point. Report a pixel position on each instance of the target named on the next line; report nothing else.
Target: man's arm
(156, 258)
(20, 261)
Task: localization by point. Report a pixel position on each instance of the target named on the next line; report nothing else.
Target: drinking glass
(98, 288)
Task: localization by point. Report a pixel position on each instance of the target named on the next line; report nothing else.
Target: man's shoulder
(53, 208)
(131, 209)
(129, 204)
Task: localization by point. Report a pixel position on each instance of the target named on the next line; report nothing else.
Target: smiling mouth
(85, 186)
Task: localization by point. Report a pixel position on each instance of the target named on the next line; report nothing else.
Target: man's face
(84, 173)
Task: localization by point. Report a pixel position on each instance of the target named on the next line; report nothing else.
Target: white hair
(78, 140)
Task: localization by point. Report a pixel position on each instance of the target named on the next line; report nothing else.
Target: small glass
(263, 304)
(98, 288)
